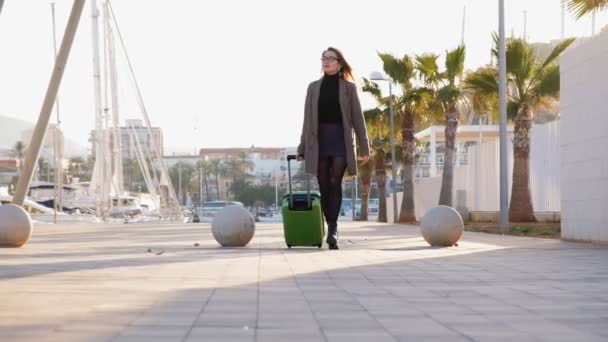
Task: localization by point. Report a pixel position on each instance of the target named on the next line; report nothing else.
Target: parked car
(210, 208)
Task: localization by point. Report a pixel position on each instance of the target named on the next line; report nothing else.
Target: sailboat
(105, 197)
(112, 200)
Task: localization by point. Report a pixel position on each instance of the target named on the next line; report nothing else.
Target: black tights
(329, 174)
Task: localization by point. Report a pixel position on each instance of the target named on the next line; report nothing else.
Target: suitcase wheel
(288, 246)
(320, 245)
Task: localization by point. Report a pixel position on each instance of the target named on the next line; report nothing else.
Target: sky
(233, 73)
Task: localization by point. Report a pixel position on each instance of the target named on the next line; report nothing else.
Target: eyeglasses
(329, 59)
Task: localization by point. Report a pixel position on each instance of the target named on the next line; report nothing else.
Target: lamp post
(179, 177)
(378, 76)
(502, 96)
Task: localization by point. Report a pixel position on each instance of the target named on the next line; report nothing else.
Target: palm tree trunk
(520, 209)
(205, 179)
(217, 185)
(447, 177)
(380, 171)
(408, 213)
(366, 179)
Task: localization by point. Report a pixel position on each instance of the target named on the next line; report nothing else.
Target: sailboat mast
(173, 201)
(464, 20)
(99, 170)
(117, 138)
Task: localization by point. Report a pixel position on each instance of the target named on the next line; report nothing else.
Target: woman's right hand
(300, 157)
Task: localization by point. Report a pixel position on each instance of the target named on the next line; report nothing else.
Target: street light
(378, 76)
(502, 103)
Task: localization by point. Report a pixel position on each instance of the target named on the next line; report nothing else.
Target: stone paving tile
(154, 332)
(99, 283)
(221, 333)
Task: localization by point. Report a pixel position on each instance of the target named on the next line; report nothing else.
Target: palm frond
(481, 87)
(513, 109)
(399, 70)
(372, 114)
(454, 64)
(448, 93)
(584, 7)
(376, 120)
(547, 85)
(427, 68)
(557, 51)
(520, 60)
(484, 80)
(372, 88)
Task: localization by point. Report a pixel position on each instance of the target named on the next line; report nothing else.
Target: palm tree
(44, 169)
(181, 175)
(216, 168)
(584, 7)
(18, 152)
(380, 143)
(204, 168)
(378, 130)
(413, 103)
(75, 166)
(449, 96)
(532, 84)
(238, 166)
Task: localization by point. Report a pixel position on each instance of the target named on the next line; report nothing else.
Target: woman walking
(332, 113)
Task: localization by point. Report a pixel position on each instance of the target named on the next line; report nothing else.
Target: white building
(430, 159)
(134, 133)
(476, 182)
(584, 142)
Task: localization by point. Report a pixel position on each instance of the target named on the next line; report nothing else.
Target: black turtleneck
(329, 100)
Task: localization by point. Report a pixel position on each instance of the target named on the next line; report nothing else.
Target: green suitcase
(303, 223)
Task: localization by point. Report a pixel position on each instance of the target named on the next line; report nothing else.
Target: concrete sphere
(441, 226)
(233, 226)
(15, 225)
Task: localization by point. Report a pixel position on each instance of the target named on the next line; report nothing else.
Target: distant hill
(10, 130)
(10, 133)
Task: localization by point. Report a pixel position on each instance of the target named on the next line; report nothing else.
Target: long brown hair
(346, 72)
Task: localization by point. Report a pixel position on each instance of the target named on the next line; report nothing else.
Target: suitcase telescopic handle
(291, 157)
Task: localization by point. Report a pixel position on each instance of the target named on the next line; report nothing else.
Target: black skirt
(331, 140)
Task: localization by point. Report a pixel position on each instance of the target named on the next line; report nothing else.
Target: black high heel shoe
(332, 236)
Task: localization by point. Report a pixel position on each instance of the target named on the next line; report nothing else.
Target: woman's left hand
(364, 158)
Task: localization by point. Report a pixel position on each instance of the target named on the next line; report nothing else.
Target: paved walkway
(151, 283)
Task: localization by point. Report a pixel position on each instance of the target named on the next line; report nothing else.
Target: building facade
(132, 135)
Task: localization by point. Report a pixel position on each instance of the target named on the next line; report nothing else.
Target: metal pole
(58, 146)
(392, 141)
(276, 189)
(354, 195)
(525, 26)
(200, 186)
(1, 3)
(502, 95)
(563, 20)
(179, 168)
(33, 151)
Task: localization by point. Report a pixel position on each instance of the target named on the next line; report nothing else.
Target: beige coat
(352, 120)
